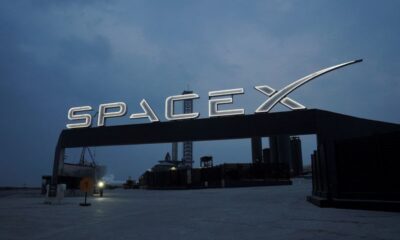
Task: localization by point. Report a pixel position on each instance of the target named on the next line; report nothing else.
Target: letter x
(281, 95)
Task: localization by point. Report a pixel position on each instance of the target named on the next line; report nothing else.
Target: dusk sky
(59, 54)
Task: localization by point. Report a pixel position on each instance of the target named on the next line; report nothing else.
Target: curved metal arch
(281, 94)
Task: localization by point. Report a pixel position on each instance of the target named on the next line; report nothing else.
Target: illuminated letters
(72, 116)
(103, 113)
(169, 107)
(215, 99)
(148, 112)
(280, 96)
(288, 102)
(213, 104)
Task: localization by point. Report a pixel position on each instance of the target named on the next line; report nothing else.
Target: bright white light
(100, 184)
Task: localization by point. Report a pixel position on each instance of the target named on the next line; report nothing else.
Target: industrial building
(166, 164)
(223, 175)
(269, 167)
(283, 149)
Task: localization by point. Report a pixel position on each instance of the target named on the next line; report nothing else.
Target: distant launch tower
(188, 145)
(187, 159)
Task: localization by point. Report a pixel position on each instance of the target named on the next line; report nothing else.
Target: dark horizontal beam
(233, 127)
(298, 122)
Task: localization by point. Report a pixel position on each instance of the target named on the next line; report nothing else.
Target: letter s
(73, 116)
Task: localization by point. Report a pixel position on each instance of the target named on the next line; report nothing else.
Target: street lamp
(101, 185)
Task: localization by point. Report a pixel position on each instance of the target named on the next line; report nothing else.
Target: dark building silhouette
(316, 170)
(280, 149)
(256, 150)
(174, 151)
(206, 162)
(286, 150)
(267, 155)
(166, 164)
(296, 163)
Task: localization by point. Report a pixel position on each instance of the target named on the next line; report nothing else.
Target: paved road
(278, 212)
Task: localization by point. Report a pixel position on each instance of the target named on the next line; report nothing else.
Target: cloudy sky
(59, 54)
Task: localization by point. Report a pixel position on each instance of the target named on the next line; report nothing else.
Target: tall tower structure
(296, 165)
(256, 150)
(174, 151)
(280, 149)
(188, 145)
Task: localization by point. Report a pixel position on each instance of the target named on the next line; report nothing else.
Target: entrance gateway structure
(356, 163)
(341, 142)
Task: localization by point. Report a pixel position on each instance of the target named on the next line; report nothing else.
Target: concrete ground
(276, 212)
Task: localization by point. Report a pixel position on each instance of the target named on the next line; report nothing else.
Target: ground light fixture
(101, 185)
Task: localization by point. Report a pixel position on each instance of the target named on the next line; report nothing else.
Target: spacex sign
(215, 99)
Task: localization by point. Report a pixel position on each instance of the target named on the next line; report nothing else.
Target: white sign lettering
(215, 99)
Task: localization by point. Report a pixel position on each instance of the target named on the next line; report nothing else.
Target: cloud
(58, 54)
